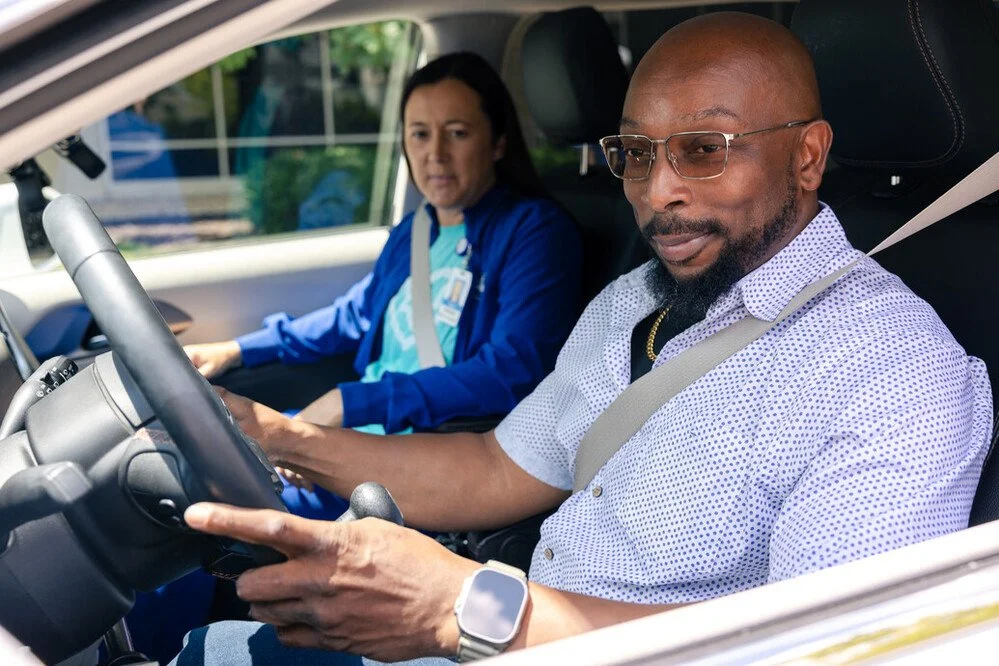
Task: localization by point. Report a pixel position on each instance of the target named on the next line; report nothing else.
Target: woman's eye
(419, 134)
(459, 133)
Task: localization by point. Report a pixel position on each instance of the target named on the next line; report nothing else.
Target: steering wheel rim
(190, 411)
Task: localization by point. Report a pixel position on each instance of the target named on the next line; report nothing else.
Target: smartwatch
(489, 610)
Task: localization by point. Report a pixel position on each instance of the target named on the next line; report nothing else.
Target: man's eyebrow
(712, 112)
(697, 116)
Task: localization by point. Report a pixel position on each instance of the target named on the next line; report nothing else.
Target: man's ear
(813, 150)
(499, 150)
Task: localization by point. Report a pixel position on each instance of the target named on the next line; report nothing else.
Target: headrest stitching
(958, 118)
(915, 24)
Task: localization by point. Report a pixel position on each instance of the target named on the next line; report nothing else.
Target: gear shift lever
(371, 500)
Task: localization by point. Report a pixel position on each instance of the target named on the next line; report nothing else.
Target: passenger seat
(574, 84)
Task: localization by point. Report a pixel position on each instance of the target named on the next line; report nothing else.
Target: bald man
(856, 426)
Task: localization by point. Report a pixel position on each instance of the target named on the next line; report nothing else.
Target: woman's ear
(499, 150)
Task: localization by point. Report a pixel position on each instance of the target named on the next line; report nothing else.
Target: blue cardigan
(526, 266)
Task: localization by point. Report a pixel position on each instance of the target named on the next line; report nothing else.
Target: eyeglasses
(694, 155)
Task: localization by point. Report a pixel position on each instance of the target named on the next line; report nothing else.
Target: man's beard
(690, 298)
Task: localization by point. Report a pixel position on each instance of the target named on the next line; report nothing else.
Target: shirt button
(549, 553)
(597, 491)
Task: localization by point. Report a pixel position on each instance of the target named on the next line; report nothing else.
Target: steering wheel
(190, 411)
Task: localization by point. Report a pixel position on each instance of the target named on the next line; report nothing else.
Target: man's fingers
(284, 532)
(236, 403)
(295, 579)
(300, 636)
(288, 613)
(296, 479)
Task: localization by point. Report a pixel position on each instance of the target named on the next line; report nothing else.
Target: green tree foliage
(371, 45)
(237, 61)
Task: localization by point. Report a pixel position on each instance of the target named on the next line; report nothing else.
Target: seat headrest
(574, 80)
(906, 84)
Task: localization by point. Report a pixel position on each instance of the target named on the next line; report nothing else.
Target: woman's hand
(214, 358)
(368, 587)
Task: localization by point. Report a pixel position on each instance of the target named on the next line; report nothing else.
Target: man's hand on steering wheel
(368, 587)
(270, 428)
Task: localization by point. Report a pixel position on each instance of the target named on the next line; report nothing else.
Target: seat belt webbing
(626, 415)
(328, 406)
(428, 346)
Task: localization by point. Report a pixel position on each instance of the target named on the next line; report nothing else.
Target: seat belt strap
(428, 346)
(626, 415)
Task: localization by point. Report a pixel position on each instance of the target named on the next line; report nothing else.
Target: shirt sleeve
(538, 300)
(335, 329)
(528, 436)
(543, 432)
(901, 464)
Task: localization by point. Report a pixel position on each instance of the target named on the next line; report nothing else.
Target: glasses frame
(729, 137)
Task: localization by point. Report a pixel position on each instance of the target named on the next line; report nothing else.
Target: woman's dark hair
(515, 168)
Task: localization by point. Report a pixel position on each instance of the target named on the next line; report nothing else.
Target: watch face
(493, 607)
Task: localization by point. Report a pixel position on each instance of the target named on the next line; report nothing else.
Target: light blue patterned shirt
(856, 426)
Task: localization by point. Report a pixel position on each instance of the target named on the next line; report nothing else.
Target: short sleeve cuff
(540, 468)
(259, 347)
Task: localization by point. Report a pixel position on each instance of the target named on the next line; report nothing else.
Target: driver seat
(909, 87)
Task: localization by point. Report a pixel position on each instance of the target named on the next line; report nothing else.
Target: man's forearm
(454, 482)
(553, 614)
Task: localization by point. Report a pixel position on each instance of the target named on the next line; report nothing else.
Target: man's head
(730, 73)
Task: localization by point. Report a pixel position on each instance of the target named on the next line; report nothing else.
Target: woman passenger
(496, 235)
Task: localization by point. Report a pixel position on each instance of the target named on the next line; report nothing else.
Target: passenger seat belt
(626, 415)
(323, 409)
(428, 345)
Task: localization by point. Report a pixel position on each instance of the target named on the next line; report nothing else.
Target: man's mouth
(679, 248)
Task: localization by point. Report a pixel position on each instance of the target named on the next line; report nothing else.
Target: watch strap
(472, 649)
(507, 569)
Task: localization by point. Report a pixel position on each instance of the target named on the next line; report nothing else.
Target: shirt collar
(820, 248)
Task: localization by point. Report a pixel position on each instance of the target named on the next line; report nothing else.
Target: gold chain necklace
(650, 344)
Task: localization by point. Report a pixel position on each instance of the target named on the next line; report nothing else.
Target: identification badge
(455, 296)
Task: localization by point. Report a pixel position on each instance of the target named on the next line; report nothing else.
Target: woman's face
(449, 143)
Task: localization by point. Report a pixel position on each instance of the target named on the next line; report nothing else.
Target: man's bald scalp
(772, 57)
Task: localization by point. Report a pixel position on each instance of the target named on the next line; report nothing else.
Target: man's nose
(664, 187)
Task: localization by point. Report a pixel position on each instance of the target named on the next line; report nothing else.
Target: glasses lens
(629, 157)
(698, 155)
